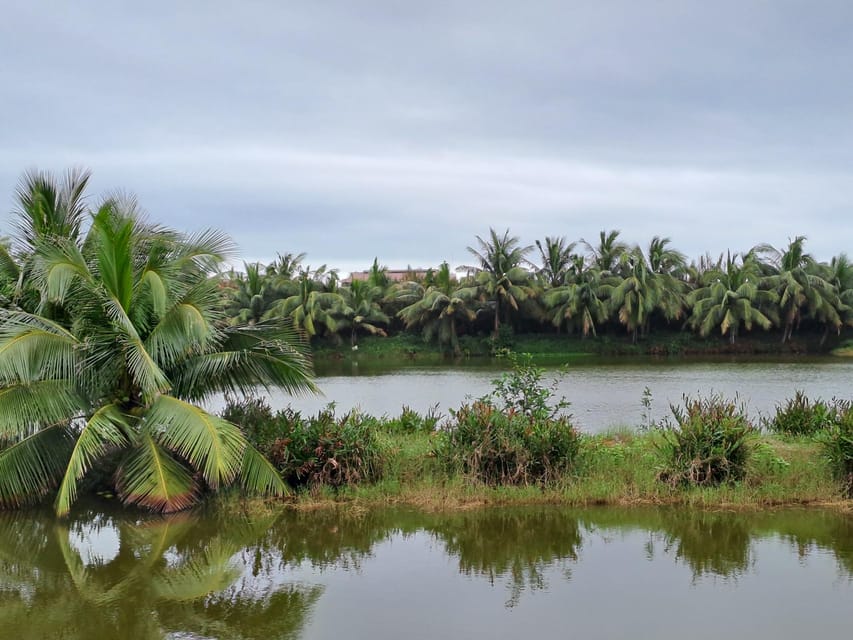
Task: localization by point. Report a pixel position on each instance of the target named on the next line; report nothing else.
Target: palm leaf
(107, 429)
(258, 475)
(151, 478)
(210, 444)
(30, 468)
(198, 577)
(25, 408)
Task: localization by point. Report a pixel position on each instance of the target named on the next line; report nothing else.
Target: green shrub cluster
(312, 451)
(708, 444)
(800, 416)
(499, 447)
(519, 434)
(410, 421)
(837, 441)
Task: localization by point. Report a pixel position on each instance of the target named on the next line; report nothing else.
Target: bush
(313, 451)
(507, 448)
(410, 421)
(802, 417)
(708, 444)
(837, 441)
(515, 436)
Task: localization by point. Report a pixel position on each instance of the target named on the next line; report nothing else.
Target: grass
(615, 469)
(663, 343)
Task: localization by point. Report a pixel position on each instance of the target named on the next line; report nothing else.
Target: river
(603, 393)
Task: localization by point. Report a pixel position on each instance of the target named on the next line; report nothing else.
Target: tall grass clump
(837, 442)
(800, 416)
(313, 451)
(708, 443)
(517, 435)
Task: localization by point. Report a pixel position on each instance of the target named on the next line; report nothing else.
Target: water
(603, 393)
(498, 573)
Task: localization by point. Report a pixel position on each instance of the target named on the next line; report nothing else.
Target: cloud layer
(402, 130)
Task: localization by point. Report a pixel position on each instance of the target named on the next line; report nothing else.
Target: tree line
(554, 285)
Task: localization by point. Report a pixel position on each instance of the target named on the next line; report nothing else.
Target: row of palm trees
(555, 285)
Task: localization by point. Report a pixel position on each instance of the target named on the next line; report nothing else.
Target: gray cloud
(401, 130)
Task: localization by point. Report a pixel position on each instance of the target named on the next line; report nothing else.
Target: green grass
(619, 468)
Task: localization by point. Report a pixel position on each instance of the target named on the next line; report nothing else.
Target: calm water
(603, 394)
(543, 573)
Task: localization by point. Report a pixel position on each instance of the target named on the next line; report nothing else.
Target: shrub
(801, 417)
(313, 451)
(507, 448)
(410, 421)
(517, 435)
(708, 444)
(837, 441)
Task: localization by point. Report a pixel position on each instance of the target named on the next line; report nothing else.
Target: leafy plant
(517, 435)
(799, 416)
(410, 421)
(837, 442)
(321, 450)
(708, 444)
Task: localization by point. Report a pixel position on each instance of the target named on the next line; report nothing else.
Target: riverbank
(620, 468)
(674, 343)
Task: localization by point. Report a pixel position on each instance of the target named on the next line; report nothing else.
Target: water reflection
(215, 576)
(169, 577)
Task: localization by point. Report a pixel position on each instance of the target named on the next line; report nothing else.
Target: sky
(402, 130)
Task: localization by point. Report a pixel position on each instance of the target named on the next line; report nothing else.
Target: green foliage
(708, 444)
(800, 416)
(410, 421)
(837, 442)
(524, 389)
(516, 436)
(116, 332)
(507, 448)
(315, 451)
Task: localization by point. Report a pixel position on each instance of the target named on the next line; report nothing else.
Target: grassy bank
(674, 343)
(616, 469)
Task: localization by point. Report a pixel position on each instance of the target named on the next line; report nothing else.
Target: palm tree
(642, 290)
(438, 308)
(135, 337)
(581, 302)
(731, 297)
(502, 279)
(251, 297)
(310, 306)
(556, 258)
(607, 255)
(360, 310)
(801, 290)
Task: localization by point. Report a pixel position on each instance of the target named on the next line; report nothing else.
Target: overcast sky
(353, 129)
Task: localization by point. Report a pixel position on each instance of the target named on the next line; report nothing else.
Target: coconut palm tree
(360, 310)
(134, 337)
(581, 303)
(500, 276)
(731, 297)
(251, 297)
(641, 290)
(801, 290)
(310, 306)
(437, 309)
(607, 255)
(556, 259)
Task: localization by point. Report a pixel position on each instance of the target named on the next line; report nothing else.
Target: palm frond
(258, 475)
(209, 444)
(26, 408)
(106, 430)
(31, 467)
(151, 478)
